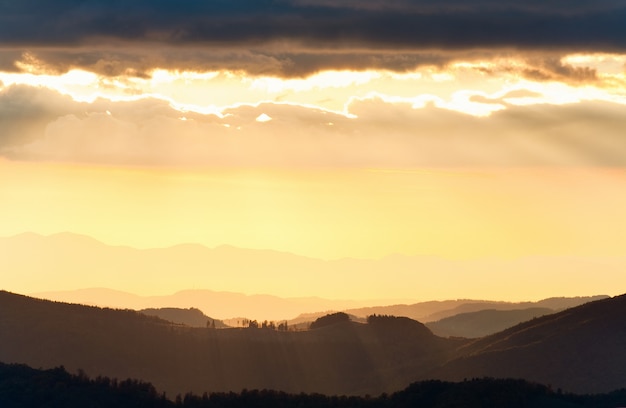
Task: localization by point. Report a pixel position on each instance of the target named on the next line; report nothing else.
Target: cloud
(298, 37)
(382, 134)
(26, 111)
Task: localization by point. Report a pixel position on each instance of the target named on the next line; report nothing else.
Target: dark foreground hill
(342, 358)
(581, 350)
(24, 387)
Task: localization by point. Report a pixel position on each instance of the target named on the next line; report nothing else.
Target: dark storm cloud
(420, 23)
(292, 37)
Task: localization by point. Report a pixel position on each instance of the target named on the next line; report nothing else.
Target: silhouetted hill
(190, 317)
(465, 326)
(581, 349)
(349, 358)
(432, 311)
(330, 320)
(417, 311)
(483, 322)
(24, 387)
(556, 304)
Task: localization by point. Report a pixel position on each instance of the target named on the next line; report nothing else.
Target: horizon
(405, 149)
(355, 197)
(62, 258)
(300, 309)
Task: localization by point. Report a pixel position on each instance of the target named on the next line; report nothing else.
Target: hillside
(190, 317)
(581, 349)
(554, 303)
(432, 311)
(484, 322)
(350, 358)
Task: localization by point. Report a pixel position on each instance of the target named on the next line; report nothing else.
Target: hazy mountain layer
(581, 349)
(483, 322)
(220, 305)
(238, 307)
(437, 310)
(64, 259)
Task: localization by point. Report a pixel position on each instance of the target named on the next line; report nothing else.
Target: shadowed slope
(483, 322)
(582, 349)
(349, 358)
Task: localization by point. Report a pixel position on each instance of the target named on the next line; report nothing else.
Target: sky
(461, 130)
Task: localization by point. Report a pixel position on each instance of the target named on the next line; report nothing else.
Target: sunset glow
(461, 147)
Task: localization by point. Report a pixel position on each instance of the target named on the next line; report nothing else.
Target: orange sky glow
(484, 156)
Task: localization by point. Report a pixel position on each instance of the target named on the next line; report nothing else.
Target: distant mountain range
(484, 322)
(219, 305)
(581, 349)
(84, 262)
(263, 307)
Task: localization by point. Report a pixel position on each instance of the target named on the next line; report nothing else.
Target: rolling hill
(346, 358)
(582, 349)
(432, 311)
(484, 322)
(189, 317)
(579, 349)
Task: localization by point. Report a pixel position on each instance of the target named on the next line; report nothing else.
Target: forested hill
(24, 387)
(580, 350)
(339, 358)
(190, 317)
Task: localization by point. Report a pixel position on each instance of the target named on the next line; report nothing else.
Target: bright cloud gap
(217, 91)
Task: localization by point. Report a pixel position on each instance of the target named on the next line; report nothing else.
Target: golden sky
(469, 147)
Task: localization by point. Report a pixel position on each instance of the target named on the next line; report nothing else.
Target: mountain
(580, 349)
(346, 358)
(190, 317)
(483, 322)
(223, 306)
(219, 305)
(554, 303)
(436, 310)
(66, 258)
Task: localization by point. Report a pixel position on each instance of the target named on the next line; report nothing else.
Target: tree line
(25, 387)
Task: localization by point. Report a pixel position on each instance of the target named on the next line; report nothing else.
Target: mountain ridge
(60, 261)
(582, 349)
(567, 347)
(225, 305)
